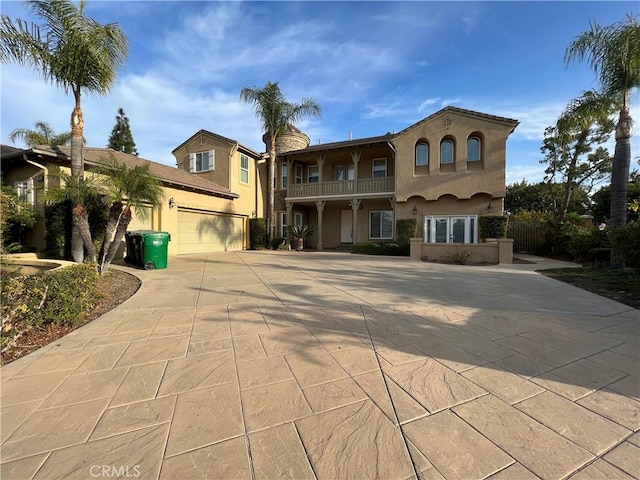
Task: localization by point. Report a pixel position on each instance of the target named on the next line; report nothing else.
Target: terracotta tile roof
(241, 147)
(168, 175)
(464, 111)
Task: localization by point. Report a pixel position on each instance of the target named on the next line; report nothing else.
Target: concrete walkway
(333, 366)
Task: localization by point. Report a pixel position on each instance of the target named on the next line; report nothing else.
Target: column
(355, 205)
(289, 219)
(355, 157)
(320, 207)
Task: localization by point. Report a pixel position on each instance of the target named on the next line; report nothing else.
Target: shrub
(627, 241)
(59, 296)
(460, 257)
(257, 233)
(583, 242)
(278, 243)
(493, 227)
(383, 248)
(405, 230)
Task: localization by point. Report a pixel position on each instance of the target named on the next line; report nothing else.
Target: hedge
(257, 233)
(493, 227)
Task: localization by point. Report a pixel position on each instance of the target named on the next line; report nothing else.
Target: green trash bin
(154, 247)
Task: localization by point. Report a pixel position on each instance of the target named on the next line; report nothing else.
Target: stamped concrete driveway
(333, 366)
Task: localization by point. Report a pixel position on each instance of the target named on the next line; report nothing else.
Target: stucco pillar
(355, 205)
(320, 207)
(289, 220)
(505, 250)
(355, 157)
(320, 161)
(415, 248)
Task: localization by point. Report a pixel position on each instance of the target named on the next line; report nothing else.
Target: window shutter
(212, 159)
(192, 162)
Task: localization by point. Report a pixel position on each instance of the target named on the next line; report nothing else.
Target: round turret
(291, 139)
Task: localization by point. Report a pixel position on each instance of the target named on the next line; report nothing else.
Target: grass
(620, 285)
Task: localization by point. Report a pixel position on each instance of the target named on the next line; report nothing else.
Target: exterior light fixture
(172, 202)
(415, 210)
(490, 207)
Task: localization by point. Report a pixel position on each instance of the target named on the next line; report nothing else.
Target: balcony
(341, 188)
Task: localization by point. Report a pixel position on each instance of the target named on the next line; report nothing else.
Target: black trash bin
(134, 248)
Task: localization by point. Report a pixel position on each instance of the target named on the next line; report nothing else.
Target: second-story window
(244, 169)
(446, 152)
(298, 178)
(285, 172)
(313, 176)
(202, 161)
(379, 168)
(422, 154)
(474, 153)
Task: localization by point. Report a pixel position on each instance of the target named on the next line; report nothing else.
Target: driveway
(333, 366)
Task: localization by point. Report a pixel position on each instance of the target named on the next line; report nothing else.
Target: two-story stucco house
(446, 171)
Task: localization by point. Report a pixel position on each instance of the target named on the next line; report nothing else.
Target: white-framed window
(422, 154)
(312, 174)
(381, 224)
(24, 189)
(343, 172)
(446, 152)
(284, 170)
(474, 150)
(298, 173)
(297, 219)
(379, 167)
(283, 223)
(202, 161)
(451, 229)
(244, 169)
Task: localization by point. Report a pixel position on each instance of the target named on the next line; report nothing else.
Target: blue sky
(373, 67)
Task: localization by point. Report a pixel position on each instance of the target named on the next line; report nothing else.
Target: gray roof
(166, 174)
(343, 144)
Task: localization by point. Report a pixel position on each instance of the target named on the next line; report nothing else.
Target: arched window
(474, 151)
(446, 152)
(422, 154)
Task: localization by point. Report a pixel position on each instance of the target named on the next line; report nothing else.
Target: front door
(346, 226)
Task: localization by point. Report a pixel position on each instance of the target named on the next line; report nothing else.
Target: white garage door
(200, 232)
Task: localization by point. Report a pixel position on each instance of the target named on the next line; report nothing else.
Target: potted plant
(299, 233)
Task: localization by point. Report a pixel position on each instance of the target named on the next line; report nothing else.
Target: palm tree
(42, 134)
(128, 188)
(613, 53)
(76, 190)
(71, 51)
(276, 113)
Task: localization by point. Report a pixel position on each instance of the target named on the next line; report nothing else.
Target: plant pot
(300, 244)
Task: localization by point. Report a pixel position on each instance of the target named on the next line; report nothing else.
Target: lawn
(620, 285)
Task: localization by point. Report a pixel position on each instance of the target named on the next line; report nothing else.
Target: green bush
(583, 242)
(257, 233)
(493, 227)
(405, 230)
(278, 243)
(627, 241)
(382, 248)
(59, 296)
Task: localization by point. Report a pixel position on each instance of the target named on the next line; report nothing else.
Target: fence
(532, 238)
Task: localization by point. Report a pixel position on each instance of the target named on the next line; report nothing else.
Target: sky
(373, 67)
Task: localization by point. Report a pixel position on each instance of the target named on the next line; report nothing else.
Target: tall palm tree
(71, 51)
(613, 53)
(129, 189)
(276, 113)
(42, 134)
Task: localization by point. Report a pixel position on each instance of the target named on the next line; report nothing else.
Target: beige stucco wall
(462, 179)
(204, 143)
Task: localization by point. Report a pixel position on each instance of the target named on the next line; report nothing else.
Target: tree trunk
(123, 224)
(620, 180)
(272, 181)
(81, 221)
(77, 170)
(115, 212)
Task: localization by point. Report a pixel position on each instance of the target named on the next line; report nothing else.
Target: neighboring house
(446, 171)
(200, 214)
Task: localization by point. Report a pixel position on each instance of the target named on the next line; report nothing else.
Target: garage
(202, 232)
